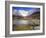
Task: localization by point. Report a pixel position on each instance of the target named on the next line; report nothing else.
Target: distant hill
(36, 15)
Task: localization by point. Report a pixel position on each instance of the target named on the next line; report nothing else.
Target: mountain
(36, 15)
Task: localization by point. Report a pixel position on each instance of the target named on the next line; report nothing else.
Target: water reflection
(18, 22)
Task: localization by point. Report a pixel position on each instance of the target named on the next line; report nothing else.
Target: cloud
(24, 12)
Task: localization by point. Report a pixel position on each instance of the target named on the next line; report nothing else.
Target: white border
(32, 31)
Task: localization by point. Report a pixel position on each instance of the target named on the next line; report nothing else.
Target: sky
(24, 11)
(24, 8)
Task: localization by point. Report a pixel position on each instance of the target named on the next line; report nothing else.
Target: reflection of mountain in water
(20, 22)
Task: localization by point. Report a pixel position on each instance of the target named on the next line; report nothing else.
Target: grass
(23, 27)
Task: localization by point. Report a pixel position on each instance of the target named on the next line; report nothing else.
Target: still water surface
(18, 22)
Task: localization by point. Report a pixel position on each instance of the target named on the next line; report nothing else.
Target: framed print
(24, 18)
